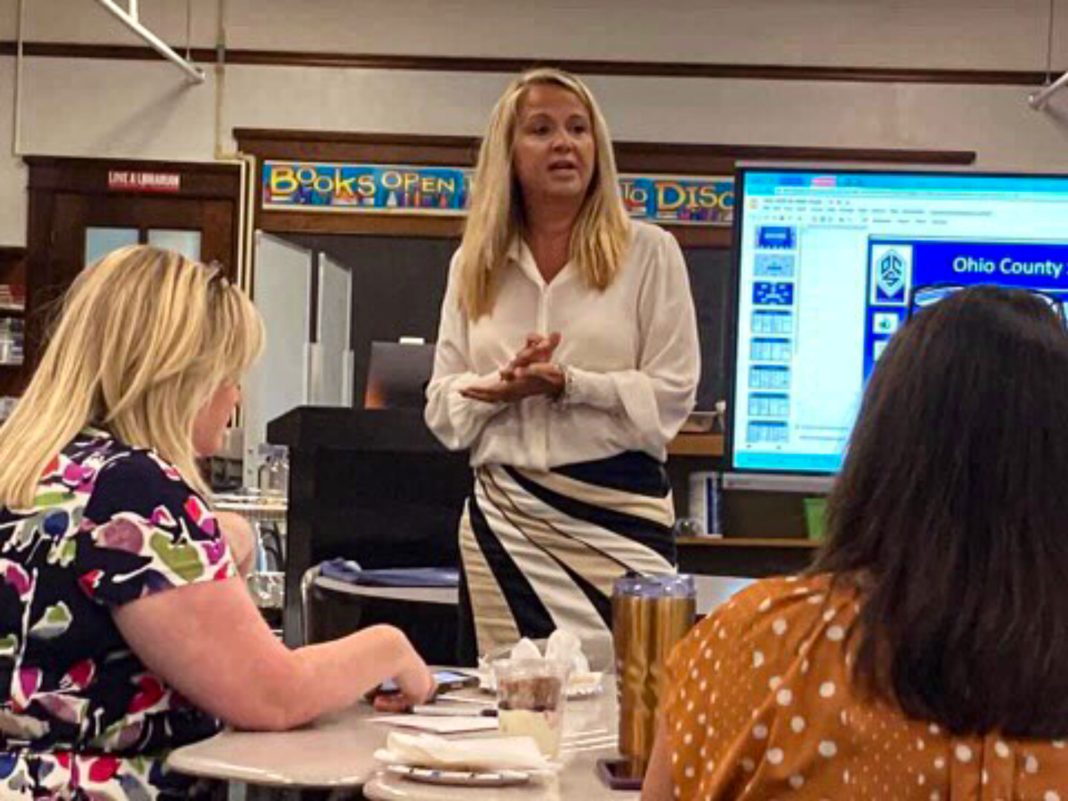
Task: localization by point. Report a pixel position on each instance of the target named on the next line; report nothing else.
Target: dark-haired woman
(925, 656)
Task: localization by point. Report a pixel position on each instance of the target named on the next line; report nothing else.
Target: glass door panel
(185, 242)
(100, 241)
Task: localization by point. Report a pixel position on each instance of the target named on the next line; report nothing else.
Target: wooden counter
(728, 556)
(710, 445)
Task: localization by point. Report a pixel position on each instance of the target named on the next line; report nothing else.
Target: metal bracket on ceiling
(1040, 99)
(129, 18)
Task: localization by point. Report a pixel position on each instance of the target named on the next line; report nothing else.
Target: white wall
(993, 34)
(86, 21)
(145, 110)
(13, 207)
(1003, 34)
(85, 107)
(996, 121)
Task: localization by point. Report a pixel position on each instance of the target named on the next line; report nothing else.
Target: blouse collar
(520, 253)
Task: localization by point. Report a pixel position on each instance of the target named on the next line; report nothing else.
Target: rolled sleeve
(455, 420)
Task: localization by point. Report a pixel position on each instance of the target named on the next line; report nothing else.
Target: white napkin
(525, 649)
(562, 645)
(438, 724)
(566, 647)
(476, 753)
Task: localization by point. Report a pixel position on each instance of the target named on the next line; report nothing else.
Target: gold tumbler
(650, 614)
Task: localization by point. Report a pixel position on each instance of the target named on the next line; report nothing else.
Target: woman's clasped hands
(530, 372)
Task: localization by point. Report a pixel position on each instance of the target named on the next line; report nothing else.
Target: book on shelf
(12, 297)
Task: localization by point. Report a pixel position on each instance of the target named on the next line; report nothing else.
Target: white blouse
(631, 350)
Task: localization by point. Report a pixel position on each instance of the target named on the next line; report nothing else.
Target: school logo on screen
(891, 274)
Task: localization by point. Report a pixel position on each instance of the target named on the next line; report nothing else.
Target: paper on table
(438, 724)
(482, 753)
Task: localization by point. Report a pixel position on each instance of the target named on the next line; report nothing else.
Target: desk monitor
(397, 375)
(828, 262)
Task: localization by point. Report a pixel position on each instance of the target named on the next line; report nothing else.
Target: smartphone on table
(445, 680)
(453, 680)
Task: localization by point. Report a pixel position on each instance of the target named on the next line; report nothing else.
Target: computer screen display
(829, 263)
(397, 375)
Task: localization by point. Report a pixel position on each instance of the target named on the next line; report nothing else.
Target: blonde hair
(600, 234)
(144, 339)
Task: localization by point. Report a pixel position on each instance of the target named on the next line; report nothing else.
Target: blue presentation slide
(900, 270)
(831, 264)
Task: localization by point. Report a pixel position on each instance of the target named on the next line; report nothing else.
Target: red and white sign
(124, 180)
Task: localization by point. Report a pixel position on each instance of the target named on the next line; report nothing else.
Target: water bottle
(273, 473)
(650, 614)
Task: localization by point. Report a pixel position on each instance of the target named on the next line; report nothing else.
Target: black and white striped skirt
(541, 550)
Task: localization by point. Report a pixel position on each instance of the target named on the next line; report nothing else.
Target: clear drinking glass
(530, 700)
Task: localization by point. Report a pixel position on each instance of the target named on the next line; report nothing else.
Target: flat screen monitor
(829, 261)
(397, 375)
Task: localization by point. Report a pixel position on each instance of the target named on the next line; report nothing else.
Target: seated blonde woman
(925, 656)
(125, 629)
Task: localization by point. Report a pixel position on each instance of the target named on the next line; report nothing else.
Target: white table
(337, 751)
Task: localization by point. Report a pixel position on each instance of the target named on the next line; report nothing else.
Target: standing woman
(567, 359)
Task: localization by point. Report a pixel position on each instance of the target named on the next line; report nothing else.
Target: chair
(331, 608)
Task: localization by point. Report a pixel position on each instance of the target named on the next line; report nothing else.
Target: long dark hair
(951, 514)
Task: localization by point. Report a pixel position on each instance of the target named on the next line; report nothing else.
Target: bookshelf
(13, 375)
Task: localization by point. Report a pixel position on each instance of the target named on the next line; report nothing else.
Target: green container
(816, 517)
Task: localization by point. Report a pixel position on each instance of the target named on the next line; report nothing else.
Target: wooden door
(77, 213)
(80, 224)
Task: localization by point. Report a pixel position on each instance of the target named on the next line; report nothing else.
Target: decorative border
(294, 185)
(363, 188)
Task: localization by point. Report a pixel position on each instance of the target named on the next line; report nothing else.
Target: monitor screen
(829, 263)
(397, 375)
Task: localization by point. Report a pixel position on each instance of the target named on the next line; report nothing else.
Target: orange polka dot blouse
(760, 707)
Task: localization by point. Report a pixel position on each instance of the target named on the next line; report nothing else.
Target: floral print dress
(80, 716)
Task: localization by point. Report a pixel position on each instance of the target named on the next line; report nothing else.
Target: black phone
(445, 679)
(453, 680)
(618, 774)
